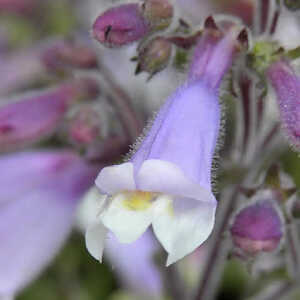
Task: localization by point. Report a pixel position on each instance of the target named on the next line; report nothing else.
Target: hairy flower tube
(39, 193)
(120, 25)
(167, 181)
(287, 88)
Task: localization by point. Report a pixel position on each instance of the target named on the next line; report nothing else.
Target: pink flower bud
(159, 13)
(120, 25)
(38, 115)
(257, 227)
(287, 88)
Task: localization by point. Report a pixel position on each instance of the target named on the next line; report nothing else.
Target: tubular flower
(167, 181)
(39, 194)
(287, 87)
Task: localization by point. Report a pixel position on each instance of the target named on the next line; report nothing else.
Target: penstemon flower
(167, 181)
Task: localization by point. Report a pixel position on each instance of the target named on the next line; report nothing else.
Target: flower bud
(69, 54)
(287, 88)
(159, 13)
(120, 25)
(154, 56)
(292, 4)
(36, 116)
(257, 227)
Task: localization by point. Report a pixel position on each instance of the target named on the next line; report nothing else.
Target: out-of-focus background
(27, 28)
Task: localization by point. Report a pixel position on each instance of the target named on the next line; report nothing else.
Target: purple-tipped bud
(120, 25)
(154, 56)
(287, 87)
(38, 115)
(159, 13)
(257, 228)
(69, 54)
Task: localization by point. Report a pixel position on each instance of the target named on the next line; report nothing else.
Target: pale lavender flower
(38, 196)
(167, 181)
(287, 87)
